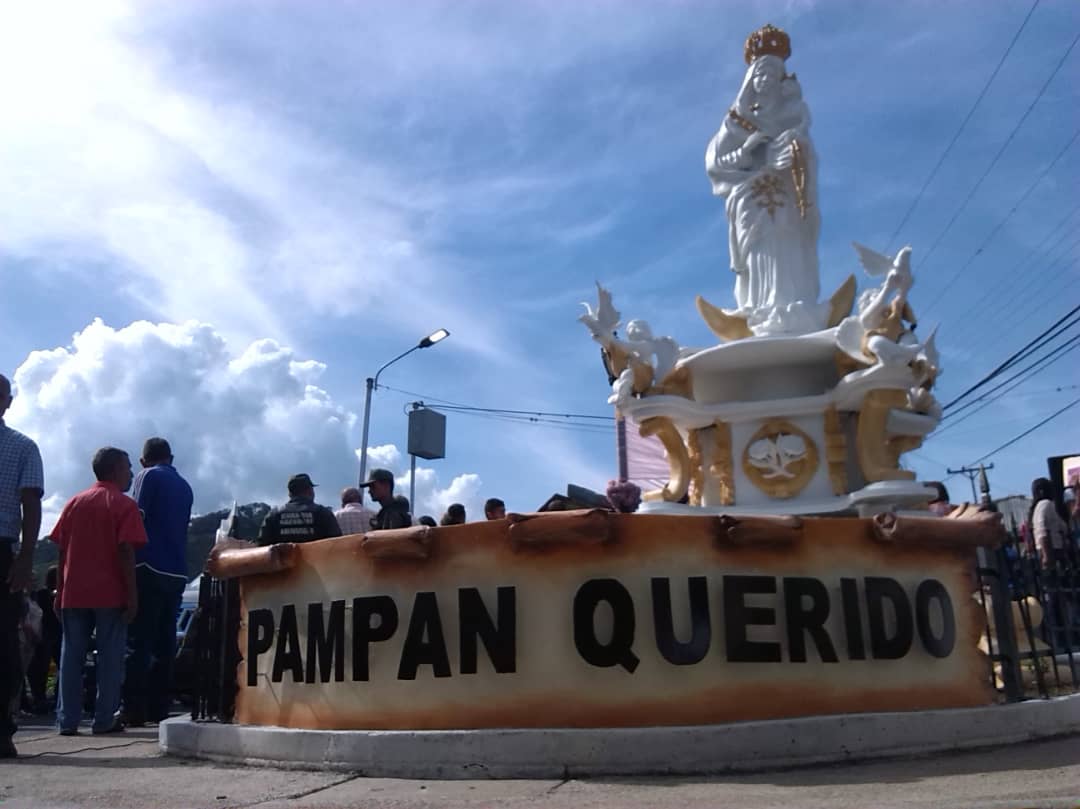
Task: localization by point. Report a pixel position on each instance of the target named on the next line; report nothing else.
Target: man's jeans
(111, 640)
(151, 646)
(10, 668)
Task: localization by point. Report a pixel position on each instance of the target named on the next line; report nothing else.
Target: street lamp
(373, 382)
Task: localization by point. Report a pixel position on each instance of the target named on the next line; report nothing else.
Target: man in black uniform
(395, 510)
(301, 519)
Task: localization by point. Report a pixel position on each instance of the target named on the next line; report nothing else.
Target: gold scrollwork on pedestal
(722, 468)
(835, 451)
(697, 473)
(617, 360)
(723, 325)
(841, 301)
(879, 455)
(678, 459)
(780, 459)
(676, 383)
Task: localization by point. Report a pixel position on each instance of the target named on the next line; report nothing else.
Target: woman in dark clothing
(455, 515)
(37, 673)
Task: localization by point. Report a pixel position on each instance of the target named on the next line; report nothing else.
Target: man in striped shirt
(352, 516)
(22, 484)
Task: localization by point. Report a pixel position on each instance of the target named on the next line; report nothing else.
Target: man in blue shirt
(165, 500)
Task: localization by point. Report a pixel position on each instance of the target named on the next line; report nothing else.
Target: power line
(1018, 355)
(449, 405)
(565, 426)
(1062, 260)
(1020, 316)
(1048, 339)
(1022, 396)
(532, 421)
(1045, 287)
(1023, 117)
(1049, 360)
(924, 457)
(1018, 272)
(997, 228)
(526, 413)
(964, 123)
(418, 395)
(991, 428)
(1027, 432)
(525, 419)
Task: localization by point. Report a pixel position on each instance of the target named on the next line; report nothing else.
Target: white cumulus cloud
(431, 497)
(239, 424)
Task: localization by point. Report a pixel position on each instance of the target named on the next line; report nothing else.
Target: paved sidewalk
(127, 770)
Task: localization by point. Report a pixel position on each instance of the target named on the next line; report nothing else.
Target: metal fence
(216, 624)
(1031, 631)
(1032, 622)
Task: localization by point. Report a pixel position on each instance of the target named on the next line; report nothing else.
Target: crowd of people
(1051, 532)
(121, 573)
(302, 519)
(117, 584)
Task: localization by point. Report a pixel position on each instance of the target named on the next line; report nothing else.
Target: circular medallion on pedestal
(780, 459)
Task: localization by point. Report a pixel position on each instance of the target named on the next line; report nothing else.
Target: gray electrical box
(427, 434)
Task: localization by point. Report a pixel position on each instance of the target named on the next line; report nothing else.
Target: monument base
(584, 752)
(886, 495)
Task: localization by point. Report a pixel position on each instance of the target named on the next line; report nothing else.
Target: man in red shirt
(98, 532)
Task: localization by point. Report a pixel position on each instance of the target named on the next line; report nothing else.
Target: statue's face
(766, 77)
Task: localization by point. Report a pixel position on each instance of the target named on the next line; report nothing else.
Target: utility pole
(971, 473)
(620, 444)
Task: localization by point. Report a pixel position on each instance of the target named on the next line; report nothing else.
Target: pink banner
(646, 459)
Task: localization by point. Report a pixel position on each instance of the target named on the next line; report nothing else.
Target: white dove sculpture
(877, 264)
(604, 319)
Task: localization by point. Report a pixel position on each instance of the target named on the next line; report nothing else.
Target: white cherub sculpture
(637, 362)
(879, 331)
(663, 351)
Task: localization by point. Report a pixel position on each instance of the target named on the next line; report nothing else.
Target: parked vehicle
(184, 663)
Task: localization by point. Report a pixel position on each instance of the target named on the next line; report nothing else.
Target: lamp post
(373, 382)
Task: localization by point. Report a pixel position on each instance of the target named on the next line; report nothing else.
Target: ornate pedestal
(769, 425)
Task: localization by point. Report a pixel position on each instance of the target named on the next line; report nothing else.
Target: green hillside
(201, 532)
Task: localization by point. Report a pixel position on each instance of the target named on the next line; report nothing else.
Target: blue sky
(320, 184)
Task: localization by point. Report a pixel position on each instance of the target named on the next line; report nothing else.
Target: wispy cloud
(342, 178)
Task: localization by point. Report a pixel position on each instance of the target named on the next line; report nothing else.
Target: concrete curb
(574, 752)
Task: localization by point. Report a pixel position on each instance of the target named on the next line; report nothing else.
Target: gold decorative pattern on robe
(768, 193)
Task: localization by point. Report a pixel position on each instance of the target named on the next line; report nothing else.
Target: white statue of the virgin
(762, 161)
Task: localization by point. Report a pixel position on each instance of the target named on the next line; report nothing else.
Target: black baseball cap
(379, 476)
(297, 483)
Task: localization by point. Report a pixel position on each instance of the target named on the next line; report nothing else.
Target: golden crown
(767, 40)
